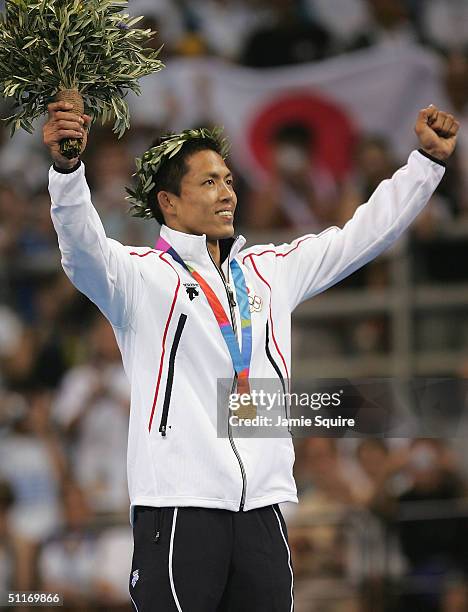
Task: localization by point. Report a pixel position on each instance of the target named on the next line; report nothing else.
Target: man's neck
(213, 248)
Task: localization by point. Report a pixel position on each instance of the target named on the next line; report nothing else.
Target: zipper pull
(232, 301)
(162, 430)
(156, 537)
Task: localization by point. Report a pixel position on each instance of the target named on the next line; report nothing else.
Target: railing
(401, 303)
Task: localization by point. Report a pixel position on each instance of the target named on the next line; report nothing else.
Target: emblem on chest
(192, 289)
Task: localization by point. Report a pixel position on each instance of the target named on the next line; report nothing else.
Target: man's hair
(172, 171)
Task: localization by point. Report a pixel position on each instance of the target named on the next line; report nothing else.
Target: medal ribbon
(240, 360)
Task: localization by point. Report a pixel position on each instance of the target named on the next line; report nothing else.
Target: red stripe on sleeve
(277, 254)
(174, 300)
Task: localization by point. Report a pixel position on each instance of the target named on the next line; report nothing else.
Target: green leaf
(49, 44)
(30, 43)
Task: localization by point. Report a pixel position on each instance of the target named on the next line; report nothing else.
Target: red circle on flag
(332, 129)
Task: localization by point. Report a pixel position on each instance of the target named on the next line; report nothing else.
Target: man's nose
(226, 193)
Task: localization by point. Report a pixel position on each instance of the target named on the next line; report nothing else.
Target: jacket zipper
(170, 374)
(276, 368)
(232, 303)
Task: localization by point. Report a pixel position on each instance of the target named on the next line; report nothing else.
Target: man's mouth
(225, 213)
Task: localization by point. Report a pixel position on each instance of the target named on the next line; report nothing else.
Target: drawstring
(157, 526)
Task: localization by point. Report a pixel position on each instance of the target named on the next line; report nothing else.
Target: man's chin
(220, 234)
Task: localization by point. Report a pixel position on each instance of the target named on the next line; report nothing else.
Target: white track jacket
(172, 348)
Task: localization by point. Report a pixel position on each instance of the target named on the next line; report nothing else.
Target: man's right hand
(64, 124)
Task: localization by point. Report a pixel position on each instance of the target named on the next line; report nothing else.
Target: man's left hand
(437, 132)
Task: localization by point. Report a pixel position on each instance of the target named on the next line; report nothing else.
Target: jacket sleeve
(98, 266)
(312, 263)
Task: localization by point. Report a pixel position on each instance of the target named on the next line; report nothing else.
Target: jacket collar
(193, 248)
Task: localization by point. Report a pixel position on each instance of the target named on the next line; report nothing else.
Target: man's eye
(209, 182)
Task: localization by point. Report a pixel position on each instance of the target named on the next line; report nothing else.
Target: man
(208, 532)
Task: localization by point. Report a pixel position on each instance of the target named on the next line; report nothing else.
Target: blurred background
(319, 98)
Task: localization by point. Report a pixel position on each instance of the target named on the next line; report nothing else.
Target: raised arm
(99, 267)
(313, 263)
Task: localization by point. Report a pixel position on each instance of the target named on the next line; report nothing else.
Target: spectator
(165, 16)
(373, 163)
(22, 151)
(112, 569)
(92, 396)
(456, 84)
(433, 542)
(39, 356)
(32, 462)
(445, 23)
(37, 241)
(289, 39)
(344, 20)
(391, 27)
(315, 535)
(298, 193)
(110, 171)
(67, 559)
(12, 218)
(11, 330)
(381, 467)
(224, 25)
(7, 558)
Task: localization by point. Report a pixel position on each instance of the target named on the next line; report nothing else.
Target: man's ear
(166, 202)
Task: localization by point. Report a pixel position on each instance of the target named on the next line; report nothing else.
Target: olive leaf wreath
(150, 163)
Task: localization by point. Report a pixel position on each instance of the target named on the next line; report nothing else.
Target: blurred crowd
(267, 33)
(379, 521)
(381, 526)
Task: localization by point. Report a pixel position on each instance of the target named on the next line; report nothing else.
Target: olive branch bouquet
(86, 52)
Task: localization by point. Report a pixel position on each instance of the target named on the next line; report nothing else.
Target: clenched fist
(437, 132)
(64, 124)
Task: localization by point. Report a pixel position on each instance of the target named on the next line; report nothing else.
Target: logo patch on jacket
(135, 576)
(255, 301)
(192, 289)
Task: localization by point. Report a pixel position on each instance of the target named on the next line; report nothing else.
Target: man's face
(207, 199)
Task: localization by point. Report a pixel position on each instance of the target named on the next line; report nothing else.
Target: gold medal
(246, 410)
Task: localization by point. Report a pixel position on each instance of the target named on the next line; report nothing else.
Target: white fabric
(143, 297)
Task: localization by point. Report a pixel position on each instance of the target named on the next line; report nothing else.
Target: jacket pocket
(170, 373)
